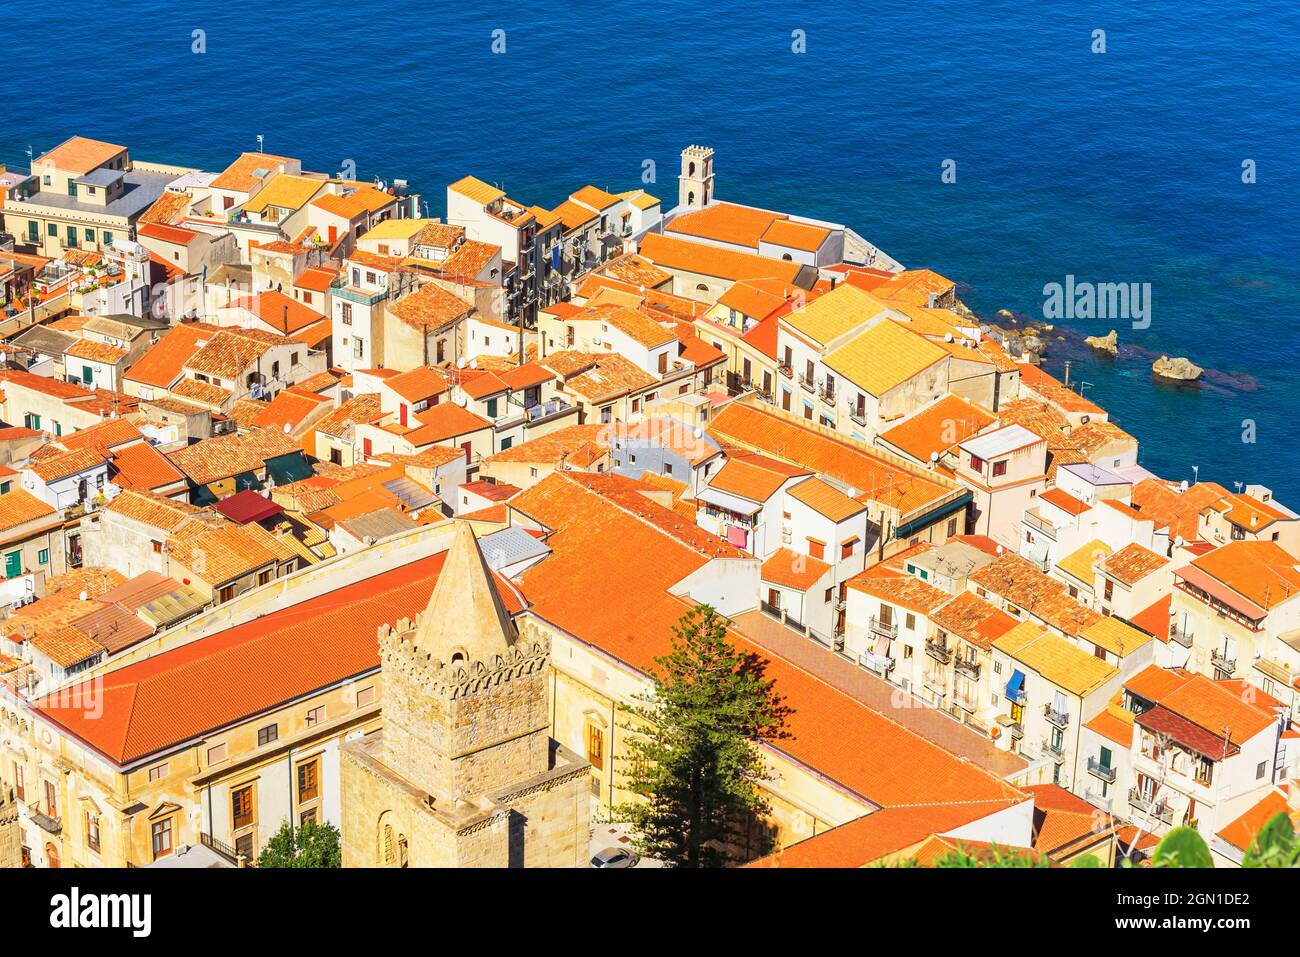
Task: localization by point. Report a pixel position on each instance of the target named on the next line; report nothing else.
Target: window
(19, 790)
(315, 716)
(92, 831)
(846, 548)
(910, 622)
(90, 236)
(43, 556)
(51, 799)
(830, 594)
(365, 696)
(952, 527)
(345, 313)
(307, 817)
(595, 746)
(267, 734)
(158, 772)
(1109, 590)
(217, 753)
(816, 549)
(161, 832)
(244, 846)
(1259, 771)
(663, 362)
(108, 238)
(52, 229)
(1204, 773)
(225, 594)
(241, 807)
(309, 780)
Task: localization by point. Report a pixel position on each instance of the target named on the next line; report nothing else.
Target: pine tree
(310, 845)
(693, 755)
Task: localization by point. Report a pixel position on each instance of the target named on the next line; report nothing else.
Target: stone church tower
(11, 836)
(464, 772)
(695, 184)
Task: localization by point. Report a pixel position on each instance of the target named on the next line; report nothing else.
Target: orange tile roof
(162, 363)
(1155, 617)
(627, 562)
(1262, 572)
(1112, 726)
(227, 354)
(609, 376)
(573, 215)
(249, 669)
(240, 176)
(1065, 823)
(358, 409)
(223, 456)
(95, 351)
(556, 447)
(726, 223)
(754, 477)
(788, 233)
(1064, 501)
(1249, 512)
(973, 620)
(1170, 508)
(875, 476)
(1241, 831)
(444, 421)
(80, 155)
(429, 308)
(671, 253)
(102, 435)
(636, 270)
(826, 500)
(168, 208)
(144, 506)
(880, 834)
(907, 591)
(141, 466)
(1019, 581)
(359, 201)
(18, 507)
(282, 313)
(218, 550)
(62, 464)
(793, 570)
(938, 428)
(289, 409)
(1132, 563)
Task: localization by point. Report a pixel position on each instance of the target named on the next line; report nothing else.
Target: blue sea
(1122, 166)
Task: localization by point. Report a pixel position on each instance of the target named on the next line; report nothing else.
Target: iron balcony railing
(1157, 809)
(806, 383)
(938, 650)
(1180, 636)
(1055, 751)
(1223, 662)
(858, 415)
(1057, 718)
(888, 629)
(1103, 771)
(967, 667)
(1097, 800)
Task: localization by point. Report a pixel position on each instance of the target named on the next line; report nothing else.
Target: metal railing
(1180, 636)
(1097, 769)
(806, 383)
(1054, 751)
(1157, 809)
(967, 667)
(881, 664)
(1096, 800)
(938, 650)
(1058, 718)
(889, 629)
(859, 416)
(1222, 662)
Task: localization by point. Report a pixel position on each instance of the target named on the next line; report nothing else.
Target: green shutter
(13, 564)
(43, 556)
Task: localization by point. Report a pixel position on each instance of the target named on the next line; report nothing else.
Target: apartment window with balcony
(33, 231)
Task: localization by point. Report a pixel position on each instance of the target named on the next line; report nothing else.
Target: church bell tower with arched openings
(695, 184)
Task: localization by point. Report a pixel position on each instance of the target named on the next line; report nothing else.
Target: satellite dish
(999, 549)
(934, 456)
(286, 428)
(699, 432)
(460, 363)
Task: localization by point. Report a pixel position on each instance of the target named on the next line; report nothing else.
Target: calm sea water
(1120, 167)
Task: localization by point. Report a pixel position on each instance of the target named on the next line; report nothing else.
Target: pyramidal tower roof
(465, 610)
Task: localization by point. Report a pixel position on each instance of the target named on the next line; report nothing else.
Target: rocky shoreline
(1023, 335)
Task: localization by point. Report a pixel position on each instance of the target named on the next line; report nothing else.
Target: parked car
(614, 857)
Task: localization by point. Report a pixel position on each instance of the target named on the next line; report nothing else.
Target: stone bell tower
(464, 772)
(464, 696)
(695, 184)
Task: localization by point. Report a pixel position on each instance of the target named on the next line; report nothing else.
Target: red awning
(248, 506)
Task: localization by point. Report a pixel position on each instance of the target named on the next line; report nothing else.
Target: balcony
(806, 384)
(45, 822)
(1223, 663)
(880, 664)
(1054, 751)
(858, 416)
(886, 629)
(1040, 525)
(826, 394)
(1099, 770)
(1096, 800)
(961, 701)
(785, 370)
(968, 667)
(1156, 809)
(1058, 719)
(1181, 636)
(938, 650)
